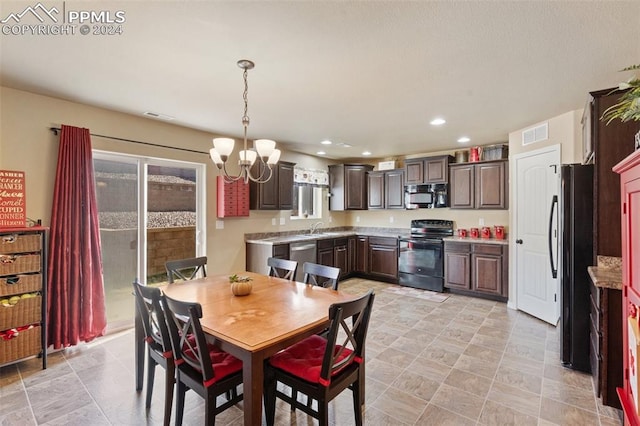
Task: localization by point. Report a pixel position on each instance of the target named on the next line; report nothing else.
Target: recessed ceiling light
(464, 139)
(321, 153)
(366, 153)
(438, 121)
(326, 142)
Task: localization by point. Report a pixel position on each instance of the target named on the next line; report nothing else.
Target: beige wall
(27, 144)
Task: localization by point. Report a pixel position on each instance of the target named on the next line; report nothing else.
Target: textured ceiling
(368, 74)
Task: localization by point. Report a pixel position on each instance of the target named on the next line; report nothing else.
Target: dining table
(276, 314)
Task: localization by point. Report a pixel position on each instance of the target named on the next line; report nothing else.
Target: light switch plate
(273, 221)
(283, 221)
(219, 224)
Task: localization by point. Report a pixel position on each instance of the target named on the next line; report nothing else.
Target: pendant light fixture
(265, 149)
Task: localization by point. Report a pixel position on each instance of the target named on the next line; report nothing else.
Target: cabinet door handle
(518, 241)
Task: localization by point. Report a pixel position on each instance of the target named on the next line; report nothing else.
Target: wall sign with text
(13, 203)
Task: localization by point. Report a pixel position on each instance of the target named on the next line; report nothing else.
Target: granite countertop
(326, 233)
(476, 240)
(608, 273)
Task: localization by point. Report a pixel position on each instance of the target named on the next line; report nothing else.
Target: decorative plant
(628, 107)
(235, 278)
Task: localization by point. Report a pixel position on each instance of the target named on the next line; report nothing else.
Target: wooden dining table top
(274, 310)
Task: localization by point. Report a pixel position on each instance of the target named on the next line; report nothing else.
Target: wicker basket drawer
(19, 264)
(16, 284)
(25, 344)
(20, 243)
(26, 311)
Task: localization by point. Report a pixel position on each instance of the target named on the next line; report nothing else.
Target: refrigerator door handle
(554, 269)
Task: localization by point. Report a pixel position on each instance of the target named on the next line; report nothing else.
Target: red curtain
(75, 288)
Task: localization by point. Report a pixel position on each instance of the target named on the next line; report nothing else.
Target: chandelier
(263, 148)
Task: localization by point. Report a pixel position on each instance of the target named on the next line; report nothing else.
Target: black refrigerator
(575, 223)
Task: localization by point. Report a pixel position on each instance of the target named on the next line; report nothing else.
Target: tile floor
(461, 361)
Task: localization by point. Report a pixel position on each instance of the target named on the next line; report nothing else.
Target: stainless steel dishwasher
(302, 252)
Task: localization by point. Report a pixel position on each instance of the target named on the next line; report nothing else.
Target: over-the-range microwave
(425, 196)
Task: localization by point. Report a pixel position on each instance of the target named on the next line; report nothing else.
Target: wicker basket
(20, 243)
(495, 152)
(16, 284)
(25, 344)
(26, 311)
(19, 264)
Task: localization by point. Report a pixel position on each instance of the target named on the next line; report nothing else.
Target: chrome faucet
(314, 227)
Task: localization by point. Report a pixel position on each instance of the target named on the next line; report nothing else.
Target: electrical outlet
(481, 221)
(390, 219)
(273, 221)
(219, 224)
(357, 219)
(282, 221)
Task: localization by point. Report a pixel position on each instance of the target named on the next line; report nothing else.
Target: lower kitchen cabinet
(383, 258)
(341, 256)
(362, 253)
(606, 341)
(325, 252)
(477, 268)
(352, 255)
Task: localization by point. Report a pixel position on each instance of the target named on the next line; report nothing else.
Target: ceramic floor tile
(564, 414)
(497, 414)
(458, 401)
(461, 361)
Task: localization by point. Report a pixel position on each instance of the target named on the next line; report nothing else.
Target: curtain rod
(55, 131)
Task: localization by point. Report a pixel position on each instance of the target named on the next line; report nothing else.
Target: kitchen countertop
(608, 273)
(304, 235)
(476, 240)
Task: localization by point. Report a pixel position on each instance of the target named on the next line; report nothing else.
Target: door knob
(518, 241)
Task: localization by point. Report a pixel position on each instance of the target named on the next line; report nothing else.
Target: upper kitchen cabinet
(277, 193)
(478, 185)
(606, 145)
(348, 186)
(386, 189)
(427, 170)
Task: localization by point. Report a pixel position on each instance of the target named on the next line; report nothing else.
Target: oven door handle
(421, 241)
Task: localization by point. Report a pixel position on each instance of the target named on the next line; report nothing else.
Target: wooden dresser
(23, 294)
(605, 330)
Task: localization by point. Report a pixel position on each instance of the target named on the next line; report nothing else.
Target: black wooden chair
(204, 368)
(159, 349)
(282, 268)
(321, 275)
(186, 269)
(319, 367)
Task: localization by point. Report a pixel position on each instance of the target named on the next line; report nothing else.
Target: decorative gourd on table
(240, 285)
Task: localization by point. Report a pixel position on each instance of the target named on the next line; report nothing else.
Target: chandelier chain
(245, 96)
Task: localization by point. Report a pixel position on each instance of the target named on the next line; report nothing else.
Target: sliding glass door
(151, 210)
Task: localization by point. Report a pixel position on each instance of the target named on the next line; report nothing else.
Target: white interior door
(536, 182)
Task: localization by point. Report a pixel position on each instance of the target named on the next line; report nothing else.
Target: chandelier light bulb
(247, 157)
(274, 157)
(224, 146)
(215, 157)
(264, 147)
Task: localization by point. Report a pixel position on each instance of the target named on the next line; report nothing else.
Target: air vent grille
(535, 134)
(158, 116)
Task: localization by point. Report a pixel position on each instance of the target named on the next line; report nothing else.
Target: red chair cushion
(304, 359)
(224, 364)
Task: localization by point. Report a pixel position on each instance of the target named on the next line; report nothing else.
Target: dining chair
(202, 367)
(282, 268)
(186, 269)
(320, 368)
(321, 275)
(156, 335)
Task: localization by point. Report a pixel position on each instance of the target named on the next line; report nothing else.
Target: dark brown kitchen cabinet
(383, 258)
(362, 253)
(457, 265)
(386, 189)
(606, 341)
(275, 194)
(427, 170)
(609, 144)
(325, 252)
(480, 185)
(341, 256)
(352, 255)
(477, 269)
(348, 186)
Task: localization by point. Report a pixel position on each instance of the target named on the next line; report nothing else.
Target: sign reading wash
(57, 19)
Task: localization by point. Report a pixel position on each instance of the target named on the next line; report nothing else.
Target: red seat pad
(304, 359)
(224, 364)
